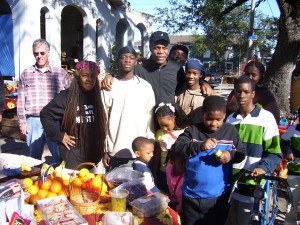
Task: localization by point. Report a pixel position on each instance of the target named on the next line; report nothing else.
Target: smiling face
(192, 78)
(178, 56)
(160, 52)
(41, 54)
(213, 120)
(254, 73)
(244, 95)
(87, 79)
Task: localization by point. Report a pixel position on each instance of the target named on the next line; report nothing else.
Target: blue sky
(269, 7)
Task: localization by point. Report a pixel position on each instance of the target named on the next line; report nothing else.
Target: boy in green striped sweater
(259, 133)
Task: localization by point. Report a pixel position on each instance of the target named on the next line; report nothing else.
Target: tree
(196, 13)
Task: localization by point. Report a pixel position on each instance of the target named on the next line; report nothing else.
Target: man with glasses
(39, 84)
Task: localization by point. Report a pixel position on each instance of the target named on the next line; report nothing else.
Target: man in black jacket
(165, 76)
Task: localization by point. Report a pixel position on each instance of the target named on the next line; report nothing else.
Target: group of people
(163, 118)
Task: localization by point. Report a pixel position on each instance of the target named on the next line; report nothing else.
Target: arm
(107, 82)
(206, 89)
(231, 105)
(185, 146)
(285, 144)
(53, 112)
(271, 156)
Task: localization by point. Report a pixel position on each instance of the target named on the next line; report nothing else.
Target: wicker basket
(84, 201)
(85, 208)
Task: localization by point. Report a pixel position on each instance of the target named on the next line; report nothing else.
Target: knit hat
(196, 65)
(126, 49)
(180, 47)
(88, 65)
(159, 36)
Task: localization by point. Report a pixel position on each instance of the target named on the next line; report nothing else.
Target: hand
(208, 144)
(69, 141)
(206, 89)
(290, 157)
(24, 129)
(0, 117)
(224, 157)
(107, 82)
(106, 159)
(257, 172)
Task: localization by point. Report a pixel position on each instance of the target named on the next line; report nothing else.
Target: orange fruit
(33, 190)
(51, 194)
(33, 199)
(104, 188)
(56, 187)
(27, 182)
(96, 182)
(83, 172)
(77, 182)
(46, 185)
(42, 193)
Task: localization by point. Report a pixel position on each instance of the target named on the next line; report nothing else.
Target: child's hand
(290, 157)
(208, 144)
(224, 157)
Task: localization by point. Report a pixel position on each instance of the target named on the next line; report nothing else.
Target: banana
(25, 167)
(60, 171)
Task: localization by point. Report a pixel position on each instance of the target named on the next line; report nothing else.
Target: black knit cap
(159, 36)
(180, 47)
(126, 49)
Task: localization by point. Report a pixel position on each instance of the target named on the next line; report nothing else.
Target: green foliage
(215, 30)
(113, 67)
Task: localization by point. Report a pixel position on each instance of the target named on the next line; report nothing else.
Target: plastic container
(136, 189)
(58, 210)
(150, 205)
(118, 218)
(118, 199)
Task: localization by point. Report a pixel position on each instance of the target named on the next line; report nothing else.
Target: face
(127, 62)
(87, 79)
(254, 74)
(178, 56)
(167, 123)
(244, 95)
(213, 120)
(41, 55)
(160, 52)
(145, 153)
(192, 77)
(178, 164)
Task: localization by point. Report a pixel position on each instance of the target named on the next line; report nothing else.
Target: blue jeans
(36, 139)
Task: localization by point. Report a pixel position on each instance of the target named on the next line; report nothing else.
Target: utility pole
(250, 32)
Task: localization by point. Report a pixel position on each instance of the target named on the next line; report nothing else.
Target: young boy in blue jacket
(210, 147)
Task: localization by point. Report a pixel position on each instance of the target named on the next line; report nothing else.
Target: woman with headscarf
(79, 109)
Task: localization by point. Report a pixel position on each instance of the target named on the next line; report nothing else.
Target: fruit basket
(84, 201)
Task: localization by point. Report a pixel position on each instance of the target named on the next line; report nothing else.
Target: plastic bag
(121, 175)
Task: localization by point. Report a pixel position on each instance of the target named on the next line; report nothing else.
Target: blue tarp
(7, 65)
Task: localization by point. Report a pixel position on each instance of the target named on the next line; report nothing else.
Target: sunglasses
(39, 53)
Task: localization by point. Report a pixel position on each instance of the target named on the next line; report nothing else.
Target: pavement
(17, 146)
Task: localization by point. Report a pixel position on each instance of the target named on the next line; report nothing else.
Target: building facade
(75, 29)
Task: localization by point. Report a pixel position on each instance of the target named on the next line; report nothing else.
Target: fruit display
(60, 181)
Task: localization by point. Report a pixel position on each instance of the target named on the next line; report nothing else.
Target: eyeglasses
(39, 53)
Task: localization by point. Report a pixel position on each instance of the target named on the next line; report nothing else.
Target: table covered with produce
(57, 195)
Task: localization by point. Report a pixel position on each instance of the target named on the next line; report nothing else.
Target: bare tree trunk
(280, 68)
